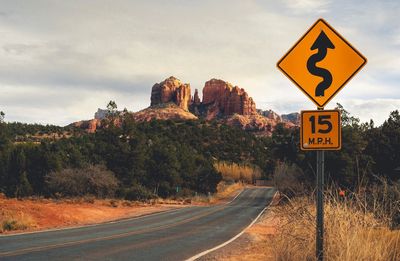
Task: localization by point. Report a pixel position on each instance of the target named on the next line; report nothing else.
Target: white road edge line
(234, 197)
(105, 223)
(233, 238)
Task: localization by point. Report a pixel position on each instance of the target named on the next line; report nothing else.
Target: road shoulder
(252, 244)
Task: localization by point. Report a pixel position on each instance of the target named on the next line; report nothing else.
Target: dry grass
(351, 233)
(15, 220)
(238, 172)
(225, 192)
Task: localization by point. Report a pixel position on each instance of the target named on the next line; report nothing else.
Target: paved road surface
(174, 235)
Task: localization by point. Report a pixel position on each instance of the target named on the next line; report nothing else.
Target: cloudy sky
(61, 60)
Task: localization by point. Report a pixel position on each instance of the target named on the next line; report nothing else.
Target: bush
(93, 180)
(114, 203)
(11, 224)
(207, 179)
(138, 192)
(289, 179)
(10, 221)
(383, 199)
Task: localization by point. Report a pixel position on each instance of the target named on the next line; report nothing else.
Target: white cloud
(308, 6)
(70, 58)
(376, 109)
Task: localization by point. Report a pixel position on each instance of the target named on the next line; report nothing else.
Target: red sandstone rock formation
(92, 125)
(196, 99)
(171, 90)
(163, 112)
(214, 91)
(89, 126)
(270, 114)
(170, 99)
(228, 99)
(292, 117)
(258, 124)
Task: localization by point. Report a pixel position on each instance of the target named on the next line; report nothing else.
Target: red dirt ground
(45, 214)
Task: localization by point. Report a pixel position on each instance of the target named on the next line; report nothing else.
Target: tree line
(139, 160)
(369, 154)
(177, 158)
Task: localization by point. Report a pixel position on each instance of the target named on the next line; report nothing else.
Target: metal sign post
(320, 205)
(320, 130)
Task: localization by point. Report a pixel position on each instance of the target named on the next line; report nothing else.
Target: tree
(346, 118)
(23, 188)
(285, 145)
(384, 147)
(163, 169)
(2, 115)
(207, 178)
(112, 108)
(350, 166)
(17, 181)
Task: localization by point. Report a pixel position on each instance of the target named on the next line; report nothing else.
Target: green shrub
(138, 192)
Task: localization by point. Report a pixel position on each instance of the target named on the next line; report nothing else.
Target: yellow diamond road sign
(321, 63)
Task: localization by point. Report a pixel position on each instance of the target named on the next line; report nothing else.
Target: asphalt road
(173, 235)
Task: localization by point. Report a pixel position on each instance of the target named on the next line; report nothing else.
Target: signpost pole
(320, 205)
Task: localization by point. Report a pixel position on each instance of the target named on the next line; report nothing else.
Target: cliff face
(171, 90)
(196, 99)
(214, 91)
(222, 99)
(89, 126)
(270, 114)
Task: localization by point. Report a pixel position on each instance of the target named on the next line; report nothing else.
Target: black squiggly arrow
(322, 43)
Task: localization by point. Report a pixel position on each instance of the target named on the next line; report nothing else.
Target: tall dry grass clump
(238, 172)
(225, 191)
(352, 232)
(15, 220)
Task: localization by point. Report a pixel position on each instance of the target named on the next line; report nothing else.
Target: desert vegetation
(357, 227)
(13, 220)
(238, 172)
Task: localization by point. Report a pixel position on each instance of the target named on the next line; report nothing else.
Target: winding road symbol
(322, 44)
(321, 62)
